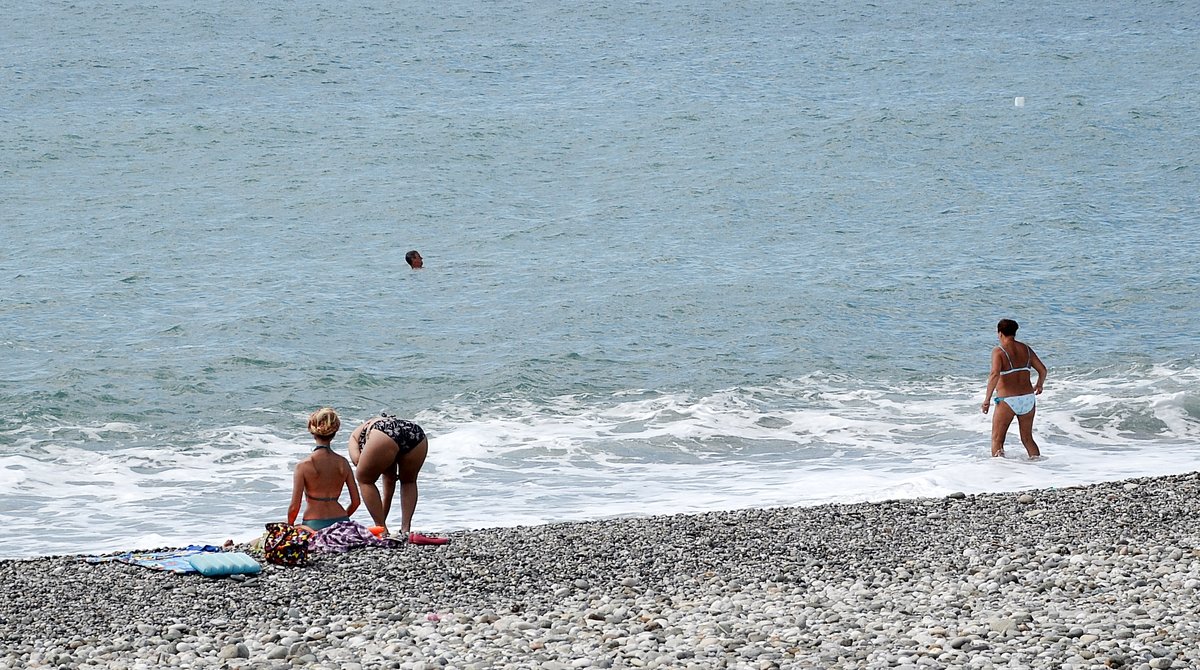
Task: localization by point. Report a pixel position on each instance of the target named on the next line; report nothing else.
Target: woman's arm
(1041, 370)
(352, 444)
(353, 486)
(297, 493)
(993, 379)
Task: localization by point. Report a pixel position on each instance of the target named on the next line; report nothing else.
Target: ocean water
(679, 256)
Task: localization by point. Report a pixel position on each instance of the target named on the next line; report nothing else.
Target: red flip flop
(417, 538)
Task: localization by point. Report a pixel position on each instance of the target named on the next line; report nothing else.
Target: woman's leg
(1002, 416)
(410, 466)
(389, 488)
(376, 459)
(1025, 424)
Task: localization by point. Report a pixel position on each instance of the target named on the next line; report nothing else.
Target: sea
(679, 256)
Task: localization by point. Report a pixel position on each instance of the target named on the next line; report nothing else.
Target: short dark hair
(408, 258)
(1007, 327)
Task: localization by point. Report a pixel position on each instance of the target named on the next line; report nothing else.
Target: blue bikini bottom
(318, 524)
(1020, 404)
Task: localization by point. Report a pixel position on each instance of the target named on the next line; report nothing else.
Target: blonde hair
(324, 422)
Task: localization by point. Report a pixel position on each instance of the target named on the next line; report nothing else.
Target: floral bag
(286, 544)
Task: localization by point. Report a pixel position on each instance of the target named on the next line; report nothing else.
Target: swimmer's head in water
(414, 260)
(1007, 327)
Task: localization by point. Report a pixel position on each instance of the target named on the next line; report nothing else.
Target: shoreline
(1102, 575)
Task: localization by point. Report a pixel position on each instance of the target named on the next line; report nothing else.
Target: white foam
(801, 442)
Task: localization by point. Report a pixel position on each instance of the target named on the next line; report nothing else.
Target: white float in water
(1019, 101)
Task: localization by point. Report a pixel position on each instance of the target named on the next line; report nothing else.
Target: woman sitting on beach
(394, 449)
(320, 477)
(1016, 395)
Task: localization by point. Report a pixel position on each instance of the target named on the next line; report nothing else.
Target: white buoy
(1019, 101)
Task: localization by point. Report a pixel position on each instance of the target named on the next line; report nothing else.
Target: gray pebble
(1097, 578)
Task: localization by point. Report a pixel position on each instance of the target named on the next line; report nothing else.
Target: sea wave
(512, 460)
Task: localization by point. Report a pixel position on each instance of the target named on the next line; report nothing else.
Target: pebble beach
(1099, 576)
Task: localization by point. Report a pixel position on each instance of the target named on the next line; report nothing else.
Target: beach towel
(346, 535)
(175, 560)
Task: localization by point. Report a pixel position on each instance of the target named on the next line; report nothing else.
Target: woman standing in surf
(1015, 392)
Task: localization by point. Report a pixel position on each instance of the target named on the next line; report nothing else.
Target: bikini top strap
(1008, 358)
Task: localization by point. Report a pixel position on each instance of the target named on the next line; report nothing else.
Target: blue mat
(224, 563)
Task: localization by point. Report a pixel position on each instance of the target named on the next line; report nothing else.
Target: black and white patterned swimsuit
(406, 434)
